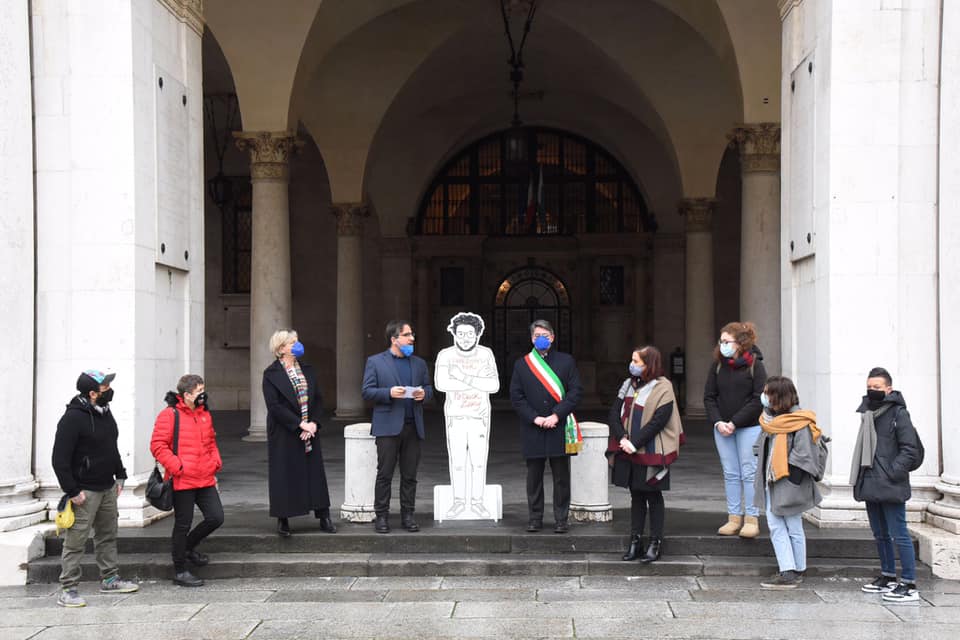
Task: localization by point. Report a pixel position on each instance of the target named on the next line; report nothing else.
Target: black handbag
(159, 492)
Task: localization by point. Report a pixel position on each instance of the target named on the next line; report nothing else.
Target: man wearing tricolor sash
(545, 390)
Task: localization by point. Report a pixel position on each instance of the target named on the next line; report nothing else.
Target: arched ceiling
(359, 74)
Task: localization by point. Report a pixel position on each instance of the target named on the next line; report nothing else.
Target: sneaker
(70, 598)
(115, 584)
(903, 592)
(783, 580)
(882, 584)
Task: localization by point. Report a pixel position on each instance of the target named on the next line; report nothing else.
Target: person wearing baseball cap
(91, 473)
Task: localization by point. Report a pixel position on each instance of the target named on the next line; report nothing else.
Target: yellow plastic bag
(65, 516)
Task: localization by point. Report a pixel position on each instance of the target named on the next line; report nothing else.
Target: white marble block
(589, 478)
(359, 474)
(492, 504)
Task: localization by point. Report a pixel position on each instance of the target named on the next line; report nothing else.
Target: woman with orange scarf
(792, 456)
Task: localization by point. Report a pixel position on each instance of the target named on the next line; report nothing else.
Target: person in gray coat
(792, 457)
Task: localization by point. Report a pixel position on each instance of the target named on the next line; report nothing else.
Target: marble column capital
(759, 146)
(350, 217)
(270, 152)
(190, 12)
(698, 213)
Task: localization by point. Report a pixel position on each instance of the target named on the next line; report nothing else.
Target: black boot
(283, 527)
(326, 524)
(636, 544)
(408, 522)
(382, 523)
(653, 551)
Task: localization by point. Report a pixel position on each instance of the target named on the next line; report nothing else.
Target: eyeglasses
(723, 342)
(409, 334)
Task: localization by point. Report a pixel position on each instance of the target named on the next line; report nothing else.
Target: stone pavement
(482, 607)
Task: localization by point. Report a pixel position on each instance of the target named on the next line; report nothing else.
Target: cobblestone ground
(479, 607)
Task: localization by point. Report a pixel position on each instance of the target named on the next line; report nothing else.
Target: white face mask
(728, 349)
(764, 400)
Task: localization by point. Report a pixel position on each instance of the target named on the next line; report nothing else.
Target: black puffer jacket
(733, 395)
(85, 454)
(898, 451)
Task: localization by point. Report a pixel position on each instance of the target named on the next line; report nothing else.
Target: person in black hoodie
(731, 397)
(91, 473)
(886, 451)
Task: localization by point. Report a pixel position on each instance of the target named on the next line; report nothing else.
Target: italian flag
(573, 439)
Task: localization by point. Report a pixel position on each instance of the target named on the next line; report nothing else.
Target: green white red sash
(572, 438)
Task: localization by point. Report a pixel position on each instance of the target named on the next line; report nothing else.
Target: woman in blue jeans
(731, 397)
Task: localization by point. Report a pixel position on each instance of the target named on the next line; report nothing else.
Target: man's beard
(462, 350)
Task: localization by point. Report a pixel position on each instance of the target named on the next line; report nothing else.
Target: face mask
(728, 350)
(200, 400)
(636, 370)
(765, 400)
(406, 350)
(104, 398)
(297, 349)
(542, 343)
(876, 395)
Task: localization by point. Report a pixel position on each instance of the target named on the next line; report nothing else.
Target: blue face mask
(297, 350)
(542, 343)
(636, 370)
(728, 350)
(406, 350)
(764, 400)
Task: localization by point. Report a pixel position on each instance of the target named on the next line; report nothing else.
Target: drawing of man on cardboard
(467, 373)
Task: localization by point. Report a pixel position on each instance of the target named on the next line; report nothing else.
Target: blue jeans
(739, 468)
(888, 520)
(789, 540)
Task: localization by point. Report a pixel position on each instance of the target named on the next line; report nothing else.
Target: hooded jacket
(898, 451)
(734, 394)
(197, 459)
(85, 454)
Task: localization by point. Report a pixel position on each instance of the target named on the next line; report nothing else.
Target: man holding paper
(397, 382)
(545, 390)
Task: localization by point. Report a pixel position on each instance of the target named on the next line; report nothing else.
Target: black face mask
(104, 398)
(876, 395)
(200, 400)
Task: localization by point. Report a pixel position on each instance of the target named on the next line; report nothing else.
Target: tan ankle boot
(732, 526)
(751, 527)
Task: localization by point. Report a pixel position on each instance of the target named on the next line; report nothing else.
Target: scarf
(572, 438)
(866, 445)
(664, 448)
(780, 426)
(745, 360)
(299, 383)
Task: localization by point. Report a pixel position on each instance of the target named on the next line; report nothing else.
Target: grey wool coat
(797, 492)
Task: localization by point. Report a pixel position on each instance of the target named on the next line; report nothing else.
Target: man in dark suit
(397, 382)
(544, 390)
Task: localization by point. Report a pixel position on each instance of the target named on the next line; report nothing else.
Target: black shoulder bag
(159, 492)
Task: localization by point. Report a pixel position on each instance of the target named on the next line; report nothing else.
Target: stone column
(589, 483)
(760, 234)
(350, 356)
(700, 329)
(18, 508)
(424, 310)
(359, 473)
(270, 293)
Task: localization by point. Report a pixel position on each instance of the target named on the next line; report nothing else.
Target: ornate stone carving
(759, 146)
(350, 217)
(270, 152)
(698, 213)
(190, 12)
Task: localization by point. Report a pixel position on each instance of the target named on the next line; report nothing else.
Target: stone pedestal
(700, 330)
(759, 146)
(350, 357)
(270, 293)
(360, 473)
(589, 476)
(18, 508)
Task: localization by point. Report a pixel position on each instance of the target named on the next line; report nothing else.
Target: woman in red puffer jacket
(193, 468)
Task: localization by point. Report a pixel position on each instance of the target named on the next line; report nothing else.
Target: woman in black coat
(297, 480)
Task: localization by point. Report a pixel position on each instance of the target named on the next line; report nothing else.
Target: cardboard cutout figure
(467, 373)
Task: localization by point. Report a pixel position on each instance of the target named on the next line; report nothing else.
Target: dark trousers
(208, 499)
(560, 470)
(405, 448)
(641, 503)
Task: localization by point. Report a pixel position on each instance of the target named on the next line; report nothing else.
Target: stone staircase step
(154, 566)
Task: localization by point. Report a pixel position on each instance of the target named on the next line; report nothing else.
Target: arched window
(569, 186)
